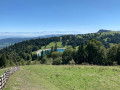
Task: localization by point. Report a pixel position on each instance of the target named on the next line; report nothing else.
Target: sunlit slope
(65, 77)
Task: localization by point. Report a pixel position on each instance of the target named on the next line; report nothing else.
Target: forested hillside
(9, 41)
(95, 48)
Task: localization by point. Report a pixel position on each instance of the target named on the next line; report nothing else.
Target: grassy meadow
(59, 45)
(65, 77)
(2, 71)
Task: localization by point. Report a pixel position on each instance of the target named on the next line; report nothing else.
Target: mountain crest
(103, 30)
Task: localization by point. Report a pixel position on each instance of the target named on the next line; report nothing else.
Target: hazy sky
(82, 16)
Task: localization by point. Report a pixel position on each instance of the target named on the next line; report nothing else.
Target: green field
(2, 71)
(65, 77)
(59, 45)
(4, 45)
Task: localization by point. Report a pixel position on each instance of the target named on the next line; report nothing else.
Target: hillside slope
(47, 77)
(23, 51)
(9, 41)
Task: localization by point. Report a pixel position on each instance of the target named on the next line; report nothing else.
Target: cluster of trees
(92, 53)
(89, 51)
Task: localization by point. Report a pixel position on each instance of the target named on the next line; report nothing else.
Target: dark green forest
(94, 48)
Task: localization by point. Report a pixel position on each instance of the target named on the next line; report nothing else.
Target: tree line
(93, 53)
(93, 49)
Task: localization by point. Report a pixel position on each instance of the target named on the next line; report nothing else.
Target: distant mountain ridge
(5, 41)
(103, 30)
(31, 34)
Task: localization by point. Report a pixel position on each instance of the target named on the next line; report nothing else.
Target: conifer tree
(81, 54)
(55, 49)
(3, 60)
(52, 49)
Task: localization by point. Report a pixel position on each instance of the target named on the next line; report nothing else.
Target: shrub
(44, 59)
(12, 63)
(28, 62)
(22, 62)
(56, 54)
(72, 62)
(49, 61)
(57, 61)
(85, 63)
(35, 62)
(115, 63)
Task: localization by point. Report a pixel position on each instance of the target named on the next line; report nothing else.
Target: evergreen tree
(48, 53)
(55, 49)
(112, 55)
(52, 49)
(44, 59)
(95, 51)
(81, 54)
(67, 55)
(3, 60)
(42, 54)
(118, 55)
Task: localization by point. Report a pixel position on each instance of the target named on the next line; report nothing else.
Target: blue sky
(74, 16)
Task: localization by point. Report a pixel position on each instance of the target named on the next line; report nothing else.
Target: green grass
(76, 48)
(65, 77)
(79, 36)
(2, 71)
(59, 45)
(109, 33)
(105, 39)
